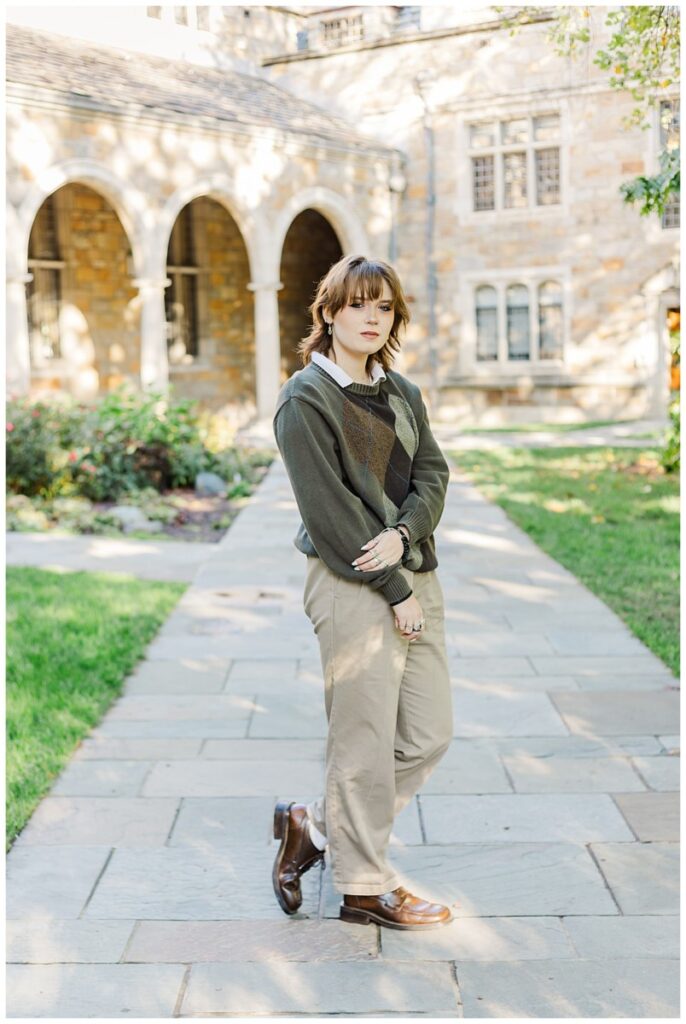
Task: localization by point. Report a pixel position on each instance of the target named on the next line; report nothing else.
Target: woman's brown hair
(354, 275)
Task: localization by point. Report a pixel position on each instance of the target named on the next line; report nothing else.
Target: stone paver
(146, 559)
(610, 714)
(198, 942)
(571, 988)
(321, 988)
(93, 990)
(652, 816)
(142, 884)
(643, 877)
(545, 817)
(90, 820)
(502, 879)
(67, 941)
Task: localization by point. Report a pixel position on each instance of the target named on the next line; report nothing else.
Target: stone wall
(601, 250)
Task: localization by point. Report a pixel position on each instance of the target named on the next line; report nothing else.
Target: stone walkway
(141, 887)
(168, 560)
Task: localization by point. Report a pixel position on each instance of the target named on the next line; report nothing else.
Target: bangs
(366, 280)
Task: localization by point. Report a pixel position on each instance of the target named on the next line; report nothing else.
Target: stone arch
(128, 203)
(217, 187)
(337, 210)
(330, 219)
(81, 303)
(210, 308)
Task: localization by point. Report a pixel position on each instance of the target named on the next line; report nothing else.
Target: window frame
(525, 108)
(500, 279)
(655, 233)
(342, 24)
(168, 17)
(57, 365)
(666, 99)
(200, 272)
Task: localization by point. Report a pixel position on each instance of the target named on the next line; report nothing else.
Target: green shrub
(31, 448)
(671, 452)
(138, 440)
(124, 442)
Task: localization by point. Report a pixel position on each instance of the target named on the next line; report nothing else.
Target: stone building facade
(170, 211)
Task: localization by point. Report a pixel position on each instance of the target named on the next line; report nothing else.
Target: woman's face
(362, 326)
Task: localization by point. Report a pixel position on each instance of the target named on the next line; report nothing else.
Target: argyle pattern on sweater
(361, 458)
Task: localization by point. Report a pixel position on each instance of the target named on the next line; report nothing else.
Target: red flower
(72, 456)
(36, 412)
(10, 426)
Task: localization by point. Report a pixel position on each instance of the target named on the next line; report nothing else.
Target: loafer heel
(355, 916)
(296, 854)
(280, 818)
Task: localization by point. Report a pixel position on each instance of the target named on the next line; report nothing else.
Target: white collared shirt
(340, 375)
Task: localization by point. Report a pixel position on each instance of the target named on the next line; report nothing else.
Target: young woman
(370, 483)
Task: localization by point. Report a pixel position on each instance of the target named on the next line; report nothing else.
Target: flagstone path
(141, 886)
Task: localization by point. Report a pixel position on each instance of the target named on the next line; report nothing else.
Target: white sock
(320, 841)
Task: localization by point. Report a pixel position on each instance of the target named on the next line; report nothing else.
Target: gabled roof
(111, 79)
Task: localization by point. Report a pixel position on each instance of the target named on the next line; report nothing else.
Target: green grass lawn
(72, 638)
(609, 515)
(560, 428)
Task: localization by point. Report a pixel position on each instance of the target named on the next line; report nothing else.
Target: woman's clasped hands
(387, 547)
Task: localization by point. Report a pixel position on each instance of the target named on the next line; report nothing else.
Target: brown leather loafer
(396, 909)
(296, 854)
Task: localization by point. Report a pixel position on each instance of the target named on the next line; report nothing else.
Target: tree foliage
(642, 57)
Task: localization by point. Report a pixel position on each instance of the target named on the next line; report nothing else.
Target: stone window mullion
(502, 323)
(205, 343)
(531, 194)
(533, 322)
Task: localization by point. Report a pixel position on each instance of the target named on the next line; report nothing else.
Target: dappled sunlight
(668, 503)
(113, 547)
(55, 567)
(528, 593)
(234, 620)
(533, 765)
(506, 691)
(178, 217)
(27, 141)
(482, 540)
(559, 505)
(198, 665)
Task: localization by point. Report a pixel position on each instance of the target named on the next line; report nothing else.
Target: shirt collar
(340, 375)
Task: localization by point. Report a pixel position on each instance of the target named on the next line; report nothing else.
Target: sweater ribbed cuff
(417, 522)
(396, 588)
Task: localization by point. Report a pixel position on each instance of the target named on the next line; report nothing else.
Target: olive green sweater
(361, 457)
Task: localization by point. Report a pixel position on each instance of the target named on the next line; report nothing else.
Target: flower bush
(126, 442)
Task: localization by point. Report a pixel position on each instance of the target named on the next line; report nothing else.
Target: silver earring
(330, 328)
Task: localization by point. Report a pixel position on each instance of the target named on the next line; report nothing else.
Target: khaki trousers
(389, 708)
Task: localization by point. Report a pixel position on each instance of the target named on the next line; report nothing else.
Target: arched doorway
(209, 310)
(310, 247)
(83, 334)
